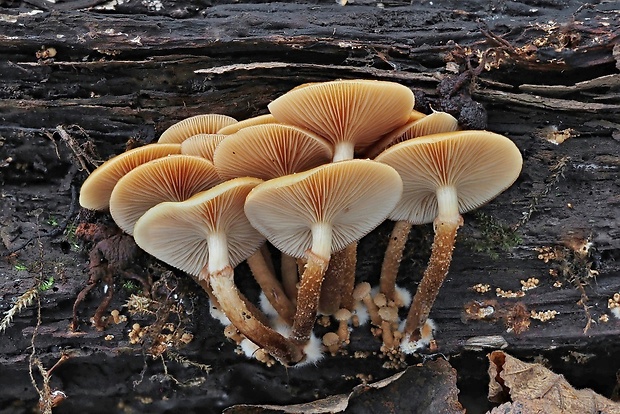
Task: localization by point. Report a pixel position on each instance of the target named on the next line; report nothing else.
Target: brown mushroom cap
(477, 164)
(202, 145)
(345, 199)
(257, 120)
(179, 233)
(435, 123)
(351, 114)
(199, 124)
(175, 178)
(269, 151)
(96, 190)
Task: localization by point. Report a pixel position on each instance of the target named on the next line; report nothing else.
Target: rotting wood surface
(79, 80)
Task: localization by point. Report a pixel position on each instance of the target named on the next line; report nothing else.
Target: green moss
(72, 238)
(46, 284)
(489, 236)
(131, 287)
(20, 266)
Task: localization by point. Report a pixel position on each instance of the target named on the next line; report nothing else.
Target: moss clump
(488, 235)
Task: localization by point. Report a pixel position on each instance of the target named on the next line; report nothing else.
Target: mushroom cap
(388, 313)
(361, 290)
(479, 164)
(175, 178)
(177, 232)
(202, 145)
(415, 116)
(257, 120)
(194, 125)
(269, 151)
(354, 196)
(357, 111)
(96, 190)
(435, 123)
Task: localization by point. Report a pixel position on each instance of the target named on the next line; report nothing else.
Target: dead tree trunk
(83, 80)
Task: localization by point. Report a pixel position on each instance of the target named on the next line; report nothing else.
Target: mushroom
(202, 145)
(174, 178)
(445, 175)
(207, 236)
(317, 212)
(257, 120)
(389, 318)
(96, 190)
(362, 293)
(331, 340)
(435, 123)
(269, 151)
(343, 316)
(352, 115)
(199, 124)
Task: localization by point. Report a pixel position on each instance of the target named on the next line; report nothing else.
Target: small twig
(584, 304)
(500, 41)
(80, 154)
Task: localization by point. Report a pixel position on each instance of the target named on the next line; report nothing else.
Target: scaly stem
(224, 289)
(308, 298)
(288, 267)
(434, 275)
(393, 257)
(348, 276)
(331, 289)
(271, 287)
(339, 281)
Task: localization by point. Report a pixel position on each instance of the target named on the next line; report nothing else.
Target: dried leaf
(429, 388)
(534, 389)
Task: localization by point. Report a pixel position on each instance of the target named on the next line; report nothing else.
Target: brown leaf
(534, 389)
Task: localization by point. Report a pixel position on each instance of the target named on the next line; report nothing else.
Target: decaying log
(81, 81)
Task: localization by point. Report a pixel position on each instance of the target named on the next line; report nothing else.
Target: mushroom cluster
(327, 165)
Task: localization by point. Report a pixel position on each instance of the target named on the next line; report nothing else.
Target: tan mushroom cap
(351, 114)
(353, 197)
(199, 124)
(478, 164)
(96, 190)
(202, 145)
(257, 120)
(435, 123)
(269, 151)
(178, 232)
(175, 178)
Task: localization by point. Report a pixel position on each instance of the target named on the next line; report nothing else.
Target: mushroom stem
(434, 275)
(308, 297)
(348, 276)
(214, 302)
(271, 287)
(362, 293)
(331, 289)
(264, 249)
(344, 150)
(288, 267)
(245, 320)
(392, 258)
